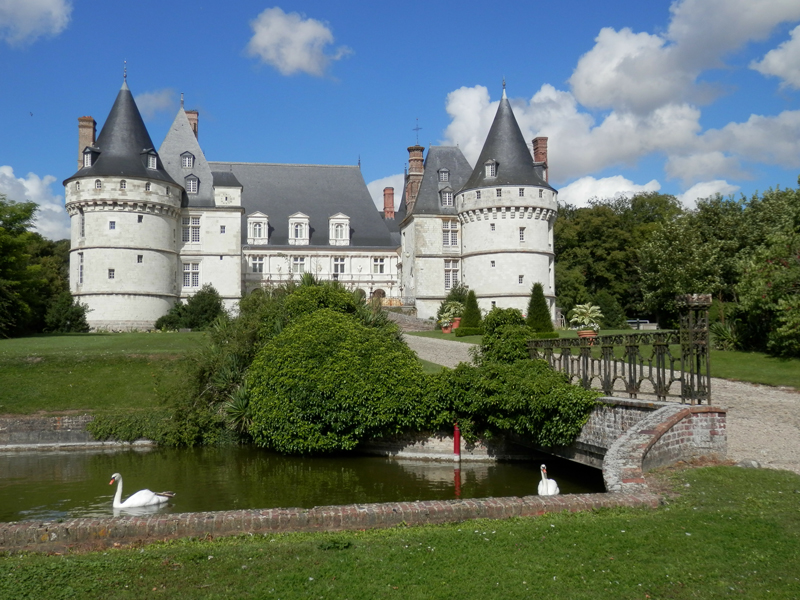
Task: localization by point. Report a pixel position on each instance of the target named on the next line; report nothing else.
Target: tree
(472, 312)
(66, 315)
(613, 317)
(539, 318)
(200, 311)
(20, 280)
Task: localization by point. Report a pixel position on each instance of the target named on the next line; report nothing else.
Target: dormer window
(490, 167)
(192, 184)
(299, 229)
(187, 160)
(446, 197)
(444, 175)
(152, 161)
(87, 159)
(339, 230)
(257, 228)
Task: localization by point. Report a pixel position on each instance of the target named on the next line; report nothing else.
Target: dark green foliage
(526, 398)
(613, 315)
(466, 331)
(472, 312)
(327, 382)
(497, 317)
(539, 318)
(504, 344)
(200, 311)
(546, 335)
(309, 298)
(66, 315)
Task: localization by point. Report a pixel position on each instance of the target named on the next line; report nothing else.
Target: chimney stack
(414, 178)
(87, 131)
(193, 117)
(388, 203)
(540, 153)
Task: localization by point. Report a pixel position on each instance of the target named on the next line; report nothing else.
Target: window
(377, 265)
(520, 279)
(447, 198)
(338, 231)
(299, 264)
(521, 234)
(87, 159)
(491, 169)
(80, 268)
(450, 232)
(338, 265)
(191, 274)
(498, 192)
(123, 184)
(169, 191)
(450, 273)
(82, 218)
(148, 186)
(222, 228)
(98, 185)
(493, 264)
(111, 273)
(298, 231)
(191, 229)
(152, 161)
(139, 258)
(494, 303)
(141, 218)
(187, 161)
(258, 264)
(257, 230)
(521, 192)
(491, 227)
(112, 224)
(477, 195)
(444, 175)
(77, 186)
(541, 193)
(191, 185)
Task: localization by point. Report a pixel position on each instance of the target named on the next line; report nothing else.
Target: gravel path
(763, 422)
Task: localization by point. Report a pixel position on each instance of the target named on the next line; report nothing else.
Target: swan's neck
(118, 495)
(544, 478)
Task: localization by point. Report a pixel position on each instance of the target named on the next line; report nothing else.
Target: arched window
(77, 186)
(257, 230)
(338, 231)
(98, 185)
(148, 186)
(298, 230)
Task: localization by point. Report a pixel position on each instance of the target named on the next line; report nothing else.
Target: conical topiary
(539, 318)
(472, 313)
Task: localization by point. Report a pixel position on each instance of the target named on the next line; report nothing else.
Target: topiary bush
(505, 344)
(539, 318)
(465, 331)
(472, 312)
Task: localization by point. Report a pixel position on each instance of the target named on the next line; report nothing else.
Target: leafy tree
(66, 315)
(613, 316)
(200, 311)
(539, 318)
(505, 337)
(472, 312)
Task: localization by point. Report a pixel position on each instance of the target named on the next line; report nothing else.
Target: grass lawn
(87, 372)
(756, 367)
(450, 337)
(732, 533)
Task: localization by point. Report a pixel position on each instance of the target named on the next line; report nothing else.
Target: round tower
(124, 211)
(507, 211)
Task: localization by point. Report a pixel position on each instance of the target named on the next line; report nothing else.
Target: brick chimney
(193, 117)
(414, 178)
(388, 203)
(540, 153)
(87, 132)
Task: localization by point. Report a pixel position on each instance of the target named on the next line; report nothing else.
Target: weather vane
(416, 129)
(125, 70)
(504, 83)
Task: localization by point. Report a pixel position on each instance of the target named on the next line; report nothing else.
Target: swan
(547, 487)
(140, 498)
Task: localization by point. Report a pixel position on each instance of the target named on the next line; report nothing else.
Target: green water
(44, 485)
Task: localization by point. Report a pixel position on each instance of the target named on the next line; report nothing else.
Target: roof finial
(416, 129)
(181, 100)
(504, 86)
(359, 161)
(125, 70)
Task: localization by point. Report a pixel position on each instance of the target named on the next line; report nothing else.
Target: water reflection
(67, 484)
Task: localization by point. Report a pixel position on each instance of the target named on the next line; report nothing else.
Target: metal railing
(640, 363)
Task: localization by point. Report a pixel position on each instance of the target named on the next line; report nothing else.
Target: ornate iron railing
(668, 364)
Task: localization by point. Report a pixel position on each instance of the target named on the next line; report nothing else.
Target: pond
(47, 485)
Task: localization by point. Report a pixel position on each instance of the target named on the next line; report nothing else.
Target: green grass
(756, 367)
(733, 533)
(87, 372)
(450, 337)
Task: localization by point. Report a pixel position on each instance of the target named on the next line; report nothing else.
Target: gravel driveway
(763, 422)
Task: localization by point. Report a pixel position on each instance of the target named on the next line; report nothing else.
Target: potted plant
(451, 315)
(585, 318)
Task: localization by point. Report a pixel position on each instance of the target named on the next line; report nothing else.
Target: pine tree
(472, 313)
(539, 318)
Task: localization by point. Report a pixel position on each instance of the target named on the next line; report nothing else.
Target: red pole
(457, 481)
(457, 444)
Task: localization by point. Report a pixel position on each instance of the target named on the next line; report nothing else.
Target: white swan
(140, 498)
(547, 487)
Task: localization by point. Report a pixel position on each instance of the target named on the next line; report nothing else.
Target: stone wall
(49, 431)
(440, 447)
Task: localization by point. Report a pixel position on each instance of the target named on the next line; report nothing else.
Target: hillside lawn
(731, 532)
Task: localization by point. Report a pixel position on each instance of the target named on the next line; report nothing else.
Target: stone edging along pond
(662, 434)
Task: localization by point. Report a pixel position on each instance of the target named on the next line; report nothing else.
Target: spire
(504, 86)
(507, 148)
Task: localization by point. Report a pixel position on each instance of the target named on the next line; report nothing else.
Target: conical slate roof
(123, 144)
(507, 147)
(180, 140)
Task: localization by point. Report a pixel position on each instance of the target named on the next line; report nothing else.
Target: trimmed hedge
(546, 335)
(465, 331)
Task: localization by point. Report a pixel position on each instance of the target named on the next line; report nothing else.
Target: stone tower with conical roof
(124, 209)
(506, 211)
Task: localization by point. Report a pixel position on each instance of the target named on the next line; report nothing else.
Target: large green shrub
(458, 293)
(328, 381)
(613, 315)
(66, 315)
(472, 312)
(539, 318)
(497, 317)
(200, 310)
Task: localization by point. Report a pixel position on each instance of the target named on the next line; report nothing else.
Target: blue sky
(691, 97)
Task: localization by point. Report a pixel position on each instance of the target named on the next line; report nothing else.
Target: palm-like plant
(586, 316)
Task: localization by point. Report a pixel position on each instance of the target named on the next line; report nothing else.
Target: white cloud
(150, 103)
(783, 61)
(706, 189)
(51, 218)
(376, 189)
(293, 44)
(579, 192)
(24, 21)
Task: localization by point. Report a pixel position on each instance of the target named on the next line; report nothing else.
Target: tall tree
(539, 318)
(19, 278)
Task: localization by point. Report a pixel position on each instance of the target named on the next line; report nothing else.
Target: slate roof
(319, 191)
(506, 145)
(121, 144)
(441, 157)
(225, 179)
(181, 139)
